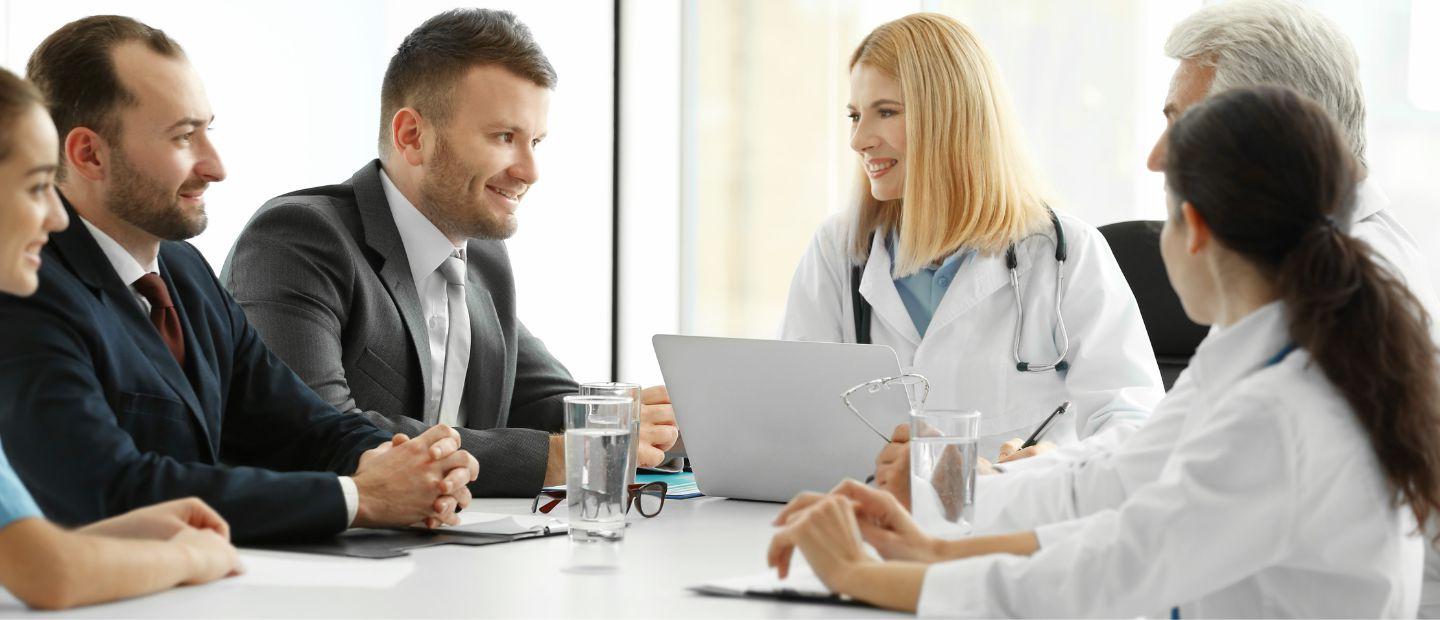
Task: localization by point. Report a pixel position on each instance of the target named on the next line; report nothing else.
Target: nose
(525, 169)
(56, 219)
(1156, 161)
(861, 138)
(210, 167)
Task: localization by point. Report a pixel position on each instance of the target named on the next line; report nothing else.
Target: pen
(1045, 426)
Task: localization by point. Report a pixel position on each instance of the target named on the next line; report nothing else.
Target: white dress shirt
(1272, 504)
(129, 269)
(425, 248)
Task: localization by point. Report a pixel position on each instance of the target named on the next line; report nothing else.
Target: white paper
(501, 524)
(301, 570)
(801, 580)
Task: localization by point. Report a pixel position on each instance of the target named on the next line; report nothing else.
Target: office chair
(1136, 246)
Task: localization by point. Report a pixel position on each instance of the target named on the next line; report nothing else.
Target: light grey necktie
(457, 343)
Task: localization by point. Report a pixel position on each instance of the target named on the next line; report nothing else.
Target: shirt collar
(1369, 199)
(425, 246)
(1229, 354)
(124, 263)
(951, 262)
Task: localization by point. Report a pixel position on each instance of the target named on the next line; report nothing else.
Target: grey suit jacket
(322, 274)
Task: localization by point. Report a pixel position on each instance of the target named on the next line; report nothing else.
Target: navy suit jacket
(98, 418)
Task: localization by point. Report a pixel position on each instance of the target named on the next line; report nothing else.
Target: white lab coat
(1103, 471)
(1272, 504)
(966, 353)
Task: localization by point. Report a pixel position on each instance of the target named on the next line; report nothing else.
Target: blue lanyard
(1279, 357)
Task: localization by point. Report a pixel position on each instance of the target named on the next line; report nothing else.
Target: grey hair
(1252, 42)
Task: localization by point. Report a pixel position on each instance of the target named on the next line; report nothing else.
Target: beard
(445, 197)
(148, 205)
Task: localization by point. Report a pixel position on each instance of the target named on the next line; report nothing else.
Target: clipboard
(380, 544)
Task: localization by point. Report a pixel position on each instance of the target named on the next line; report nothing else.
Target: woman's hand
(210, 556)
(1010, 450)
(887, 525)
(162, 521)
(826, 532)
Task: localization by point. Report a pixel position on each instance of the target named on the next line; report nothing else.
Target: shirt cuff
(352, 499)
(956, 589)
(1051, 534)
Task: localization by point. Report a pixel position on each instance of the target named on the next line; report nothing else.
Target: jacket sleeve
(1087, 483)
(1113, 378)
(63, 437)
(818, 306)
(1158, 549)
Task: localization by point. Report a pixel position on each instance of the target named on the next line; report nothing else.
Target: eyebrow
(877, 103)
(190, 121)
(513, 128)
(42, 168)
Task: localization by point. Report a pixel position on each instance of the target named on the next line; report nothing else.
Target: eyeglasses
(648, 499)
(917, 391)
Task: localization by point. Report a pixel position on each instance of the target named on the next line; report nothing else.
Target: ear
(86, 153)
(407, 135)
(1197, 230)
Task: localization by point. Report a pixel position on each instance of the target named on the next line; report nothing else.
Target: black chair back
(1173, 335)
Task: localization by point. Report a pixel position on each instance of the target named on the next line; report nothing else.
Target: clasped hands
(415, 481)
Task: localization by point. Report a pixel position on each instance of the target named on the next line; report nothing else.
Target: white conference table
(692, 541)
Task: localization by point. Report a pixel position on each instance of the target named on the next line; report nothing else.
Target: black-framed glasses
(648, 499)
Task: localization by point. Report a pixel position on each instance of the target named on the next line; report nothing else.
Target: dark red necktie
(163, 314)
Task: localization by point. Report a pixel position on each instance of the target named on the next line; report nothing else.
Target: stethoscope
(863, 310)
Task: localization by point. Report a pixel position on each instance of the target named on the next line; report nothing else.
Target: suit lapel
(487, 349)
(382, 237)
(200, 371)
(83, 255)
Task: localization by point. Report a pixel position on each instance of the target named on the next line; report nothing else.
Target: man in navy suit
(132, 377)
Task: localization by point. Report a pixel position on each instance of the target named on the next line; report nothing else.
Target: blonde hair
(968, 180)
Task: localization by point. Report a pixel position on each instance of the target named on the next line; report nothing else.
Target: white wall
(296, 88)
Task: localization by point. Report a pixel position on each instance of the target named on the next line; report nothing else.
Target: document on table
(298, 570)
(801, 585)
(494, 524)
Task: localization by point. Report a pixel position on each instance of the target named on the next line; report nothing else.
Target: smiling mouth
(879, 167)
(506, 194)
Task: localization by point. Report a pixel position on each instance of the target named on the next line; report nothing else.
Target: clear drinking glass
(942, 468)
(597, 448)
(631, 390)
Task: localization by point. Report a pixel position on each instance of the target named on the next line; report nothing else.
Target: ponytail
(1270, 173)
(1371, 338)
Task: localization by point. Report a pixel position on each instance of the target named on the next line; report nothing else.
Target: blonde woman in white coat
(1313, 451)
(946, 195)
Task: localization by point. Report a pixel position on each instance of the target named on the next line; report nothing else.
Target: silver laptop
(763, 419)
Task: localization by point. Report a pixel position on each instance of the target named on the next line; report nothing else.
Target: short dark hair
(75, 71)
(425, 68)
(16, 96)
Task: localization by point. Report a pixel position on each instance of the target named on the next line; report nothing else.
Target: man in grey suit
(391, 294)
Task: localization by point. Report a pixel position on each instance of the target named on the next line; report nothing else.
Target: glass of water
(597, 449)
(943, 449)
(629, 390)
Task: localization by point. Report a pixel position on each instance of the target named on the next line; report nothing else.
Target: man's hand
(416, 480)
(162, 521)
(658, 431)
(892, 466)
(1010, 450)
(555, 463)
